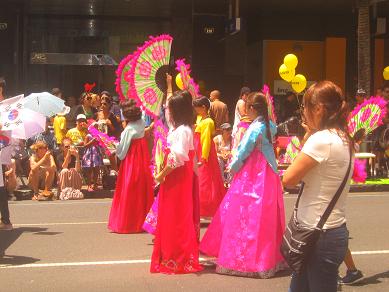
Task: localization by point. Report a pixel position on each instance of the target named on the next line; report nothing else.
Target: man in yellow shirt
(78, 133)
(59, 125)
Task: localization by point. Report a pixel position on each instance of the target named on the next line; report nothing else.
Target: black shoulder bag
(299, 241)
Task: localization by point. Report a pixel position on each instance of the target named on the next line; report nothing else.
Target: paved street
(65, 246)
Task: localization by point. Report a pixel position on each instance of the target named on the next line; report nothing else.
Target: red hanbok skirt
(176, 248)
(134, 190)
(211, 186)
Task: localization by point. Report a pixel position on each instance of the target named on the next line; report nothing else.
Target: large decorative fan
(122, 83)
(160, 144)
(368, 115)
(270, 103)
(292, 150)
(147, 76)
(187, 81)
(108, 143)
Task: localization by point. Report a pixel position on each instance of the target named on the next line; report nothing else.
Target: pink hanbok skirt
(246, 232)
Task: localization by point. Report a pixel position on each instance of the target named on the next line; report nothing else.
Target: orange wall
(309, 54)
(335, 61)
(317, 60)
(378, 63)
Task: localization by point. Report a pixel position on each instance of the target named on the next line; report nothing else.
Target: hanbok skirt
(246, 233)
(176, 236)
(211, 186)
(134, 190)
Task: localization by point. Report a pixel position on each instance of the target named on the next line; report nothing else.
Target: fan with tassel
(187, 82)
(147, 73)
(367, 116)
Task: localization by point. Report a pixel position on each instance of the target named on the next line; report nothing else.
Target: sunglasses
(67, 147)
(43, 148)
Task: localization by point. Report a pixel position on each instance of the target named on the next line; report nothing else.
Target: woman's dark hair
(2, 82)
(180, 107)
(244, 90)
(336, 109)
(202, 101)
(257, 100)
(131, 112)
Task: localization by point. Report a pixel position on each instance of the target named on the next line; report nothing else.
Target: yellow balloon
(286, 73)
(291, 61)
(179, 83)
(386, 73)
(299, 83)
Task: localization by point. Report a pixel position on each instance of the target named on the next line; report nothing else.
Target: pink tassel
(359, 174)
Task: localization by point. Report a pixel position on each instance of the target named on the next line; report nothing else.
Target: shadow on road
(9, 237)
(374, 279)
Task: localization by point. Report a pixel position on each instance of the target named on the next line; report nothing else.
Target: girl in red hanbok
(176, 238)
(211, 186)
(134, 186)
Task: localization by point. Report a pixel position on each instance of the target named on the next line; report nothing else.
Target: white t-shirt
(322, 182)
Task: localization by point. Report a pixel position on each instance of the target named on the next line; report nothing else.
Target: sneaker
(352, 277)
(6, 227)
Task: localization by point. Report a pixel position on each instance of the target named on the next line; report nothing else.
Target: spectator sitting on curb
(43, 171)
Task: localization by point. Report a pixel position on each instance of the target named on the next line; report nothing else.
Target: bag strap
(334, 200)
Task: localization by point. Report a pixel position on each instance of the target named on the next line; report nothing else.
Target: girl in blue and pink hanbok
(246, 231)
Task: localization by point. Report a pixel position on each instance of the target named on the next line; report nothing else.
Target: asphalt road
(65, 246)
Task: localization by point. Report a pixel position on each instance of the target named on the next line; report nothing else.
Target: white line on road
(60, 223)
(132, 262)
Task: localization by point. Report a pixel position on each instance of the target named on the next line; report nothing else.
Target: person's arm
(299, 168)
(125, 142)
(246, 146)
(242, 108)
(78, 163)
(88, 142)
(206, 131)
(179, 153)
(169, 91)
(315, 151)
(66, 161)
(34, 165)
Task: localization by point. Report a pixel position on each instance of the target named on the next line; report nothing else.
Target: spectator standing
(59, 125)
(86, 107)
(223, 144)
(71, 102)
(5, 223)
(289, 106)
(43, 171)
(92, 160)
(322, 165)
(57, 92)
(108, 123)
(218, 110)
(240, 108)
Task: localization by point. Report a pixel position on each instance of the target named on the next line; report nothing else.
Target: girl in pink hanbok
(246, 232)
(211, 186)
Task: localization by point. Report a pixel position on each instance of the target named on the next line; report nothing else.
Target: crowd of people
(215, 170)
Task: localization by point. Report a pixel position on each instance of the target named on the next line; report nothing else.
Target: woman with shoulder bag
(324, 167)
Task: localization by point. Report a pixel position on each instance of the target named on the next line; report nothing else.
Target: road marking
(60, 203)
(369, 252)
(134, 262)
(59, 223)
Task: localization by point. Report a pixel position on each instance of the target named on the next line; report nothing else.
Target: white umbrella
(45, 103)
